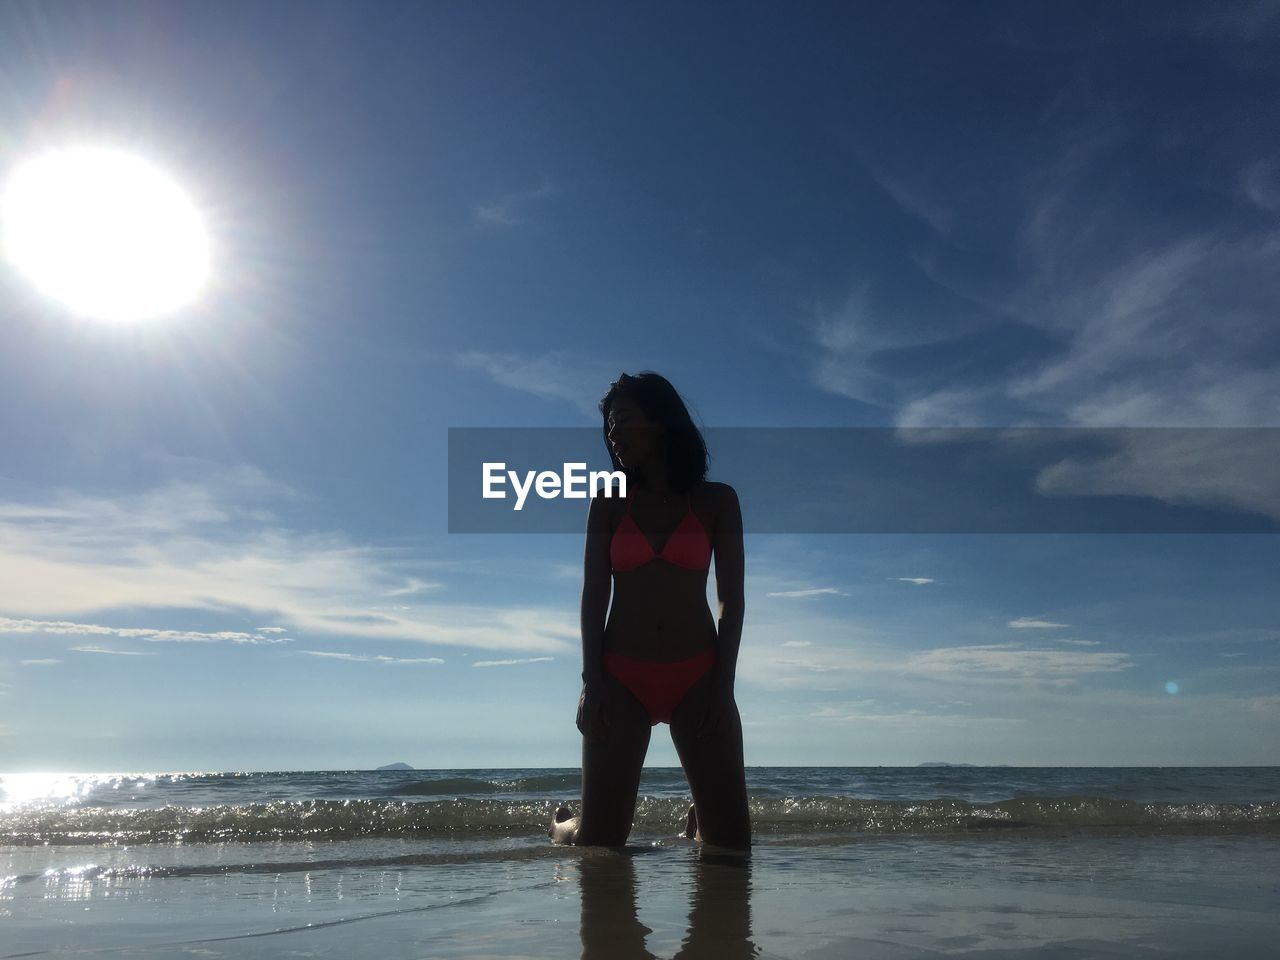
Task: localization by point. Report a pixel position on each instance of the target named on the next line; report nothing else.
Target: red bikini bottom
(659, 686)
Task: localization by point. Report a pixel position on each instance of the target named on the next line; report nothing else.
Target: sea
(869, 862)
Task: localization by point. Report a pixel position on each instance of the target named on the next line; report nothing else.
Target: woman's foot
(564, 826)
(691, 824)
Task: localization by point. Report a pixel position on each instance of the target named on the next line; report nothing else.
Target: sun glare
(105, 233)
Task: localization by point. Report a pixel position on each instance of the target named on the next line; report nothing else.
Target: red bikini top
(688, 546)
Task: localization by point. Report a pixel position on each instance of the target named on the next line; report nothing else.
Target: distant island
(396, 766)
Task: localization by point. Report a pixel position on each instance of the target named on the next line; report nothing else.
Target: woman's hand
(593, 710)
(719, 710)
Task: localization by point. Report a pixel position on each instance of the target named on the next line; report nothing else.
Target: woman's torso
(659, 610)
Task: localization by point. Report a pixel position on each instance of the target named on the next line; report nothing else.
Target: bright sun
(105, 233)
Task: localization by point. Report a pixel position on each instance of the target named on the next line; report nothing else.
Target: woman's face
(633, 436)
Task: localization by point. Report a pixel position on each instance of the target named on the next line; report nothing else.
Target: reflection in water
(719, 917)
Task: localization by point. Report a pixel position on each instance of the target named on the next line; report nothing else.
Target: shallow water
(1184, 885)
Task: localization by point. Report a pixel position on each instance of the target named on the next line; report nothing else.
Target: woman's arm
(597, 582)
(597, 585)
(729, 589)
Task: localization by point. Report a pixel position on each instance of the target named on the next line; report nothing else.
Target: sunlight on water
(72, 883)
(20, 788)
(17, 789)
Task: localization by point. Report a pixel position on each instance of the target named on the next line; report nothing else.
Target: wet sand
(1067, 897)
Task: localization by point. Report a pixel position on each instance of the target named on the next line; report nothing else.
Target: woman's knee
(731, 841)
(731, 829)
(595, 833)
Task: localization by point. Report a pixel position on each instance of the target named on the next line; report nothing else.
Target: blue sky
(223, 534)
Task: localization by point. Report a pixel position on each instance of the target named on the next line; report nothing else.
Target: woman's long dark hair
(654, 394)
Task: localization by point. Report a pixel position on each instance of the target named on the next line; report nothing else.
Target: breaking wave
(475, 818)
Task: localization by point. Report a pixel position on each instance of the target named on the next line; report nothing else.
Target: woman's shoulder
(714, 493)
(605, 505)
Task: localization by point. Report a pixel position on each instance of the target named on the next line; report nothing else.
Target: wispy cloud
(1268, 704)
(1225, 468)
(857, 348)
(811, 592)
(1031, 623)
(496, 212)
(1134, 325)
(413, 586)
(913, 201)
(952, 407)
(1143, 338)
(511, 663)
(44, 662)
(1013, 660)
(1260, 183)
(1141, 326)
(368, 658)
(555, 375)
(220, 495)
(71, 628)
(812, 665)
(835, 652)
(218, 549)
(563, 571)
(1254, 21)
(90, 648)
(1124, 318)
(506, 210)
(918, 581)
(847, 341)
(908, 718)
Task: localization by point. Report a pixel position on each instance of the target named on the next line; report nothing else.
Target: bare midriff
(659, 613)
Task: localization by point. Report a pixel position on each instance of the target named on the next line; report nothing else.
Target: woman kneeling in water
(661, 657)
